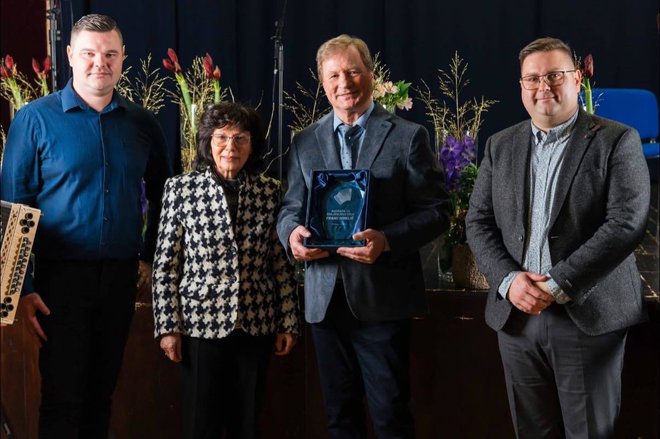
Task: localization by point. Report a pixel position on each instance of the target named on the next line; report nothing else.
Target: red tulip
(175, 60)
(168, 65)
(172, 54)
(9, 63)
(42, 73)
(4, 72)
(588, 66)
(208, 66)
(211, 71)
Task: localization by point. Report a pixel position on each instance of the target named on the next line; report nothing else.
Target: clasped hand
(529, 293)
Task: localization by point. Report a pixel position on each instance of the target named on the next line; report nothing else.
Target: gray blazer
(408, 203)
(598, 217)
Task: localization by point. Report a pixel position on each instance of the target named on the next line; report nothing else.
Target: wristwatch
(560, 296)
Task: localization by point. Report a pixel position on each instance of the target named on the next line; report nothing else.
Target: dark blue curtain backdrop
(414, 38)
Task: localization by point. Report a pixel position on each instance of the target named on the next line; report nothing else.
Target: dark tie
(349, 137)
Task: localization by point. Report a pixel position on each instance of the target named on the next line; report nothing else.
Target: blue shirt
(84, 169)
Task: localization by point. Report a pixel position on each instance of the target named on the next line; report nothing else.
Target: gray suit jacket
(598, 217)
(407, 202)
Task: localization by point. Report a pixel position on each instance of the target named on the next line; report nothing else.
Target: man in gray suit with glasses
(559, 206)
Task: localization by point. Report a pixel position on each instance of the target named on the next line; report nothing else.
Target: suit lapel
(325, 138)
(219, 217)
(378, 125)
(520, 172)
(583, 131)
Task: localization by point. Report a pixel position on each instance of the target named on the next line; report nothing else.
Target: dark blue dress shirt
(84, 169)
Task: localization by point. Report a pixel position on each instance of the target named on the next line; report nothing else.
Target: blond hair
(340, 43)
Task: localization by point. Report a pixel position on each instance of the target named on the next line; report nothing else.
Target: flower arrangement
(197, 88)
(456, 127)
(15, 87)
(391, 95)
(587, 66)
(42, 74)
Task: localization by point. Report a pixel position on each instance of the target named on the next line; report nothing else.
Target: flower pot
(465, 271)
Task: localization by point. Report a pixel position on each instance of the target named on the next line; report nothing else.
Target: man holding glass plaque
(360, 296)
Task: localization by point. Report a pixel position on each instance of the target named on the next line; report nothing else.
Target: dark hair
(228, 114)
(545, 44)
(95, 23)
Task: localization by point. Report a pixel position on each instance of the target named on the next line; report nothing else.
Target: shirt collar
(362, 120)
(71, 100)
(559, 132)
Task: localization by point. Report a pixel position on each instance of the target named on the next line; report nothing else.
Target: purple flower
(455, 147)
(445, 154)
(454, 156)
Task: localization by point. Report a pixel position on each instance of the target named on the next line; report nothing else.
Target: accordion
(19, 225)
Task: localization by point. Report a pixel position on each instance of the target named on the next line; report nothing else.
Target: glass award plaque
(337, 207)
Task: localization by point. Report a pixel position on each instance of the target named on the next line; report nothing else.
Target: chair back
(634, 107)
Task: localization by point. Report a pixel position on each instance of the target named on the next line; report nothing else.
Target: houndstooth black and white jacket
(210, 278)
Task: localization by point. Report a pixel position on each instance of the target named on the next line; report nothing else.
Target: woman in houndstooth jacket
(223, 288)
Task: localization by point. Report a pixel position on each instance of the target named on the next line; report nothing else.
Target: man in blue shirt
(80, 155)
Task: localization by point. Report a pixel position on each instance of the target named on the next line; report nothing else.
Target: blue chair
(636, 108)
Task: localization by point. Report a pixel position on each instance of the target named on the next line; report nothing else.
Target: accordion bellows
(19, 226)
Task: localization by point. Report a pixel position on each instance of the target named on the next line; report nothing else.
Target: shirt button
(106, 164)
(520, 238)
(105, 218)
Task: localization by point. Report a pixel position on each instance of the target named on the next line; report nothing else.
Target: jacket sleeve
(484, 235)
(427, 202)
(288, 312)
(626, 194)
(294, 205)
(168, 265)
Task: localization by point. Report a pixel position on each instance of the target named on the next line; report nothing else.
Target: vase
(439, 252)
(465, 271)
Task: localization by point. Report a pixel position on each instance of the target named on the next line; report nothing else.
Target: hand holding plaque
(337, 207)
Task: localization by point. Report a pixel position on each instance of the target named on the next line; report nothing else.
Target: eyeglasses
(240, 140)
(553, 79)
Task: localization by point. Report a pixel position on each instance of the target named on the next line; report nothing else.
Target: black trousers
(92, 304)
(561, 383)
(357, 358)
(223, 385)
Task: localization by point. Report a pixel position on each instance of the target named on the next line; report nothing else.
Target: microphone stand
(278, 74)
(53, 16)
